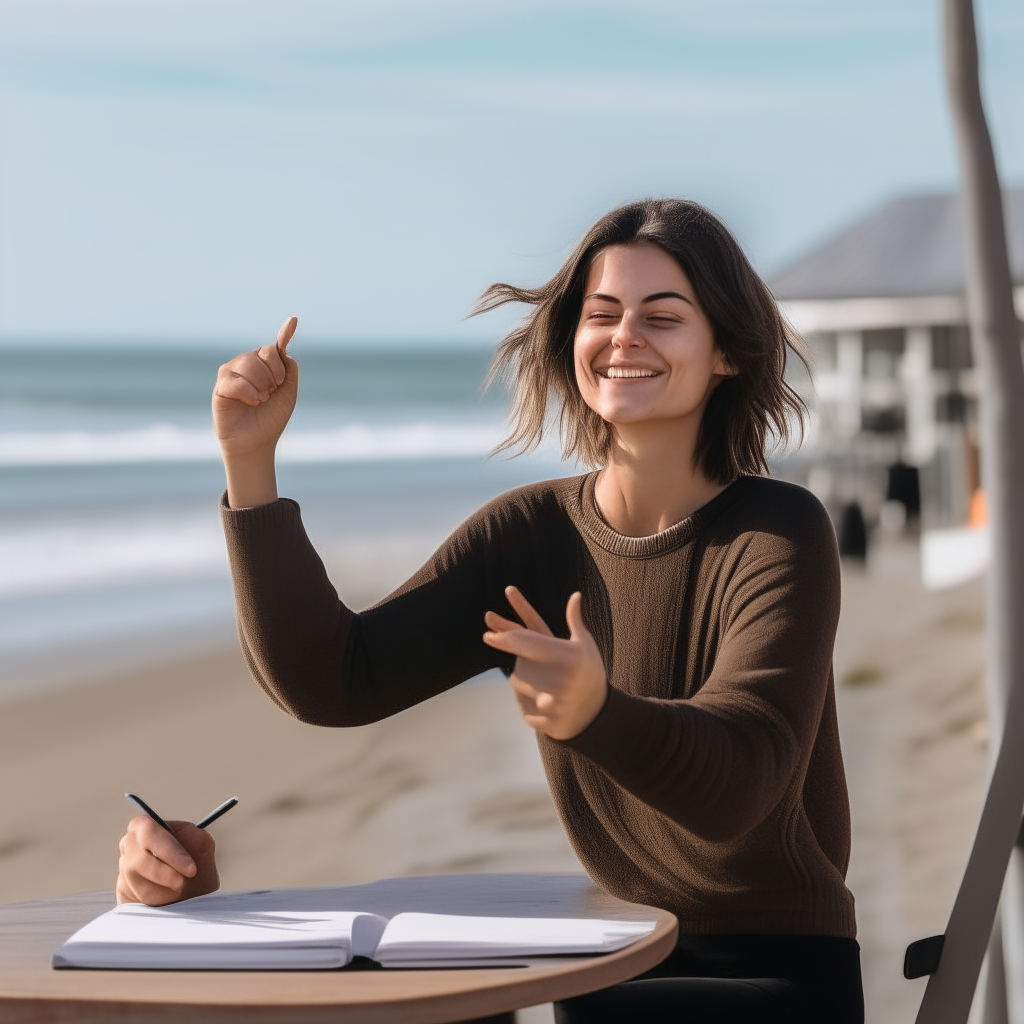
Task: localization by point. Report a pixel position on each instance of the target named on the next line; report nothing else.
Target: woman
(685, 710)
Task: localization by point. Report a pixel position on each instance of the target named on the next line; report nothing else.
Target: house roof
(909, 247)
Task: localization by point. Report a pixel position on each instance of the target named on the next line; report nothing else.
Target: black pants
(735, 979)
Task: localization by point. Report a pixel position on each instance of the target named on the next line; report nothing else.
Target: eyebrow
(648, 298)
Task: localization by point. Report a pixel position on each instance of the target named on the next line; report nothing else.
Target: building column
(916, 372)
(850, 367)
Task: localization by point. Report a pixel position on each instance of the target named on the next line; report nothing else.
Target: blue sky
(199, 169)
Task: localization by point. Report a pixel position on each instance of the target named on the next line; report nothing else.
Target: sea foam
(73, 555)
(168, 442)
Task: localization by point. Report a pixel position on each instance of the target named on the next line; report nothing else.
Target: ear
(722, 365)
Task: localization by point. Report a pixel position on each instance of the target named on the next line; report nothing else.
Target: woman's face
(644, 350)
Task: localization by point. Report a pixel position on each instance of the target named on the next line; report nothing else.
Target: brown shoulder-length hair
(536, 357)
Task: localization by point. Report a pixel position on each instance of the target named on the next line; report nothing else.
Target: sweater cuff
(620, 738)
(284, 510)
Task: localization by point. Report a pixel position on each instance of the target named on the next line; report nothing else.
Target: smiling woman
(685, 710)
(709, 285)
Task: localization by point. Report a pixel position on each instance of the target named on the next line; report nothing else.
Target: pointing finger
(526, 611)
(285, 334)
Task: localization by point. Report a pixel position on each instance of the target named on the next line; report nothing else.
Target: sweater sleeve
(720, 761)
(328, 665)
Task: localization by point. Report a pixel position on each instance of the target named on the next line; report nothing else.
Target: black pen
(201, 823)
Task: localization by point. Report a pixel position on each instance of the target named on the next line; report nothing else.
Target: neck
(651, 481)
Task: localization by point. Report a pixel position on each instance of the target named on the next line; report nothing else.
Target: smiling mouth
(624, 372)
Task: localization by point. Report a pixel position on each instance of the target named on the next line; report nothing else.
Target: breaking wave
(166, 442)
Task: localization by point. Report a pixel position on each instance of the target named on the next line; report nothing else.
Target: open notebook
(264, 930)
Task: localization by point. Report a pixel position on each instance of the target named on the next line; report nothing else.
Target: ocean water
(110, 544)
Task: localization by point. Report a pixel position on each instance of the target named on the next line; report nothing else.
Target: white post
(916, 371)
(995, 333)
(850, 367)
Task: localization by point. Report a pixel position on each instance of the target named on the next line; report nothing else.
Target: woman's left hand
(560, 684)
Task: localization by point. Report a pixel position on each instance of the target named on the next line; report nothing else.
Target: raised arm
(253, 400)
(328, 665)
(312, 655)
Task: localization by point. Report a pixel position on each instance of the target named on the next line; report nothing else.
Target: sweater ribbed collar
(588, 518)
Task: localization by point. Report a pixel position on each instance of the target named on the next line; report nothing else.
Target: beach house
(882, 306)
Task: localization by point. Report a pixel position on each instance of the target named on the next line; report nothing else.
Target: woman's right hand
(253, 400)
(157, 868)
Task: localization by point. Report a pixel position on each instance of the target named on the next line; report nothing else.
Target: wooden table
(30, 990)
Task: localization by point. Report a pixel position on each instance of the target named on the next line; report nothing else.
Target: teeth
(628, 371)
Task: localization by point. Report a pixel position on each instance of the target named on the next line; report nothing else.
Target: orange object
(979, 510)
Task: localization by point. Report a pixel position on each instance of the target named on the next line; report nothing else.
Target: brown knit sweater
(711, 783)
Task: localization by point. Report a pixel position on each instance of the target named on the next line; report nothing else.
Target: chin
(633, 417)
(628, 417)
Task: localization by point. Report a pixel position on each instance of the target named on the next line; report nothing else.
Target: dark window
(883, 350)
(890, 419)
(951, 347)
(951, 407)
(904, 485)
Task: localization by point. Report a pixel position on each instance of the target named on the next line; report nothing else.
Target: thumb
(285, 334)
(574, 617)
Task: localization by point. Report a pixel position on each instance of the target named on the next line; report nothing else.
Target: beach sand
(456, 785)
(912, 712)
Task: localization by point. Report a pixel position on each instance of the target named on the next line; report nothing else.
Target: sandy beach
(456, 784)
(912, 711)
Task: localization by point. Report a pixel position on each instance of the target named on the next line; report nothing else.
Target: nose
(627, 334)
